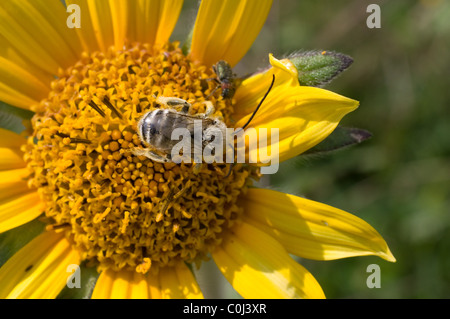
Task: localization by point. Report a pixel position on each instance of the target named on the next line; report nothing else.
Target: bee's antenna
(230, 169)
(259, 105)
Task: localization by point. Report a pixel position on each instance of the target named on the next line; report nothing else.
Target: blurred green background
(398, 181)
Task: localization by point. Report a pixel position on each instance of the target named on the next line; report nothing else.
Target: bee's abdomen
(156, 129)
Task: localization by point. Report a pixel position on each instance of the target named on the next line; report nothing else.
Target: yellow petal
(121, 285)
(178, 283)
(170, 282)
(152, 21)
(303, 115)
(8, 52)
(225, 30)
(10, 159)
(9, 139)
(119, 12)
(37, 29)
(38, 270)
(310, 229)
(258, 267)
(19, 209)
(252, 89)
(103, 286)
(103, 23)
(87, 35)
(154, 286)
(13, 182)
(139, 287)
(22, 83)
(18, 86)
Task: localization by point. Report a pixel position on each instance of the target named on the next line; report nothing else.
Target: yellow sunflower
(139, 222)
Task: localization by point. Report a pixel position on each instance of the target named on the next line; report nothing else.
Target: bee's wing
(186, 121)
(189, 123)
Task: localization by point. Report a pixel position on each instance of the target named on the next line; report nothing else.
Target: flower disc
(120, 210)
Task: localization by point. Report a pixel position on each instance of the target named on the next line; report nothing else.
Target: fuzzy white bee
(155, 128)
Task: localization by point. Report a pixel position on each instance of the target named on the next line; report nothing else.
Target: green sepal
(317, 68)
(88, 278)
(11, 117)
(191, 268)
(340, 138)
(13, 240)
(186, 47)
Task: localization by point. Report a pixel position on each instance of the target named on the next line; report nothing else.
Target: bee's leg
(163, 209)
(230, 169)
(171, 198)
(197, 167)
(184, 189)
(151, 155)
(210, 109)
(185, 109)
(212, 92)
(213, 79)
(174, 102)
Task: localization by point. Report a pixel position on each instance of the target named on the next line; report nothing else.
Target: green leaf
(11, 117)
(186, 48)
(340, 138)
(88, 277)
(317, 68)
(13, 240)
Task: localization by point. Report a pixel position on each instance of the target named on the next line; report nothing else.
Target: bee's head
(140, 127)
(145, 127)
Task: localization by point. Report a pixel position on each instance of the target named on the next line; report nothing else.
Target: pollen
(123, 211)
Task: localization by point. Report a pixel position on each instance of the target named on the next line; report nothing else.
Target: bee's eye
(152, 130)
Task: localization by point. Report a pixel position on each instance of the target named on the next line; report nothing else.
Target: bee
(155, 128)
